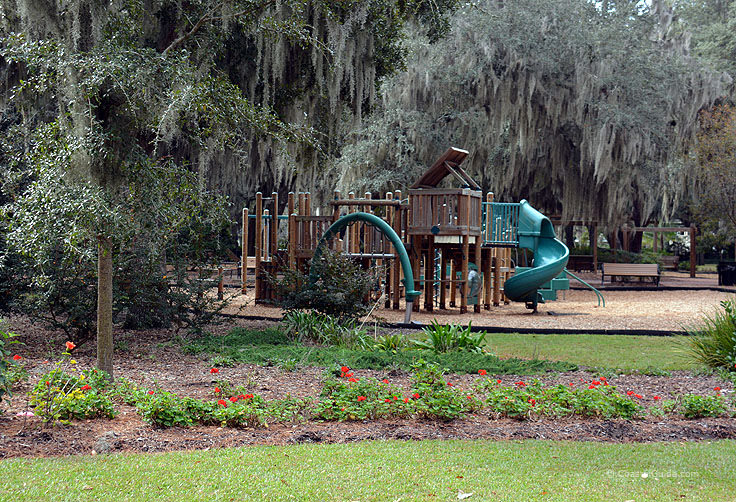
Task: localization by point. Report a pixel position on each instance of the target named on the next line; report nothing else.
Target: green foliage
(350, 398)
(713, 342)
(390, 342)
(438, 398)
(6, 339)
(238, 346)
(523, 401)
(448, 337)
(694, 406)
(342, 288)
(65, 394)
(325, 329)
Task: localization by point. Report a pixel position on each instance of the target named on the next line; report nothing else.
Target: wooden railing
(445, 212)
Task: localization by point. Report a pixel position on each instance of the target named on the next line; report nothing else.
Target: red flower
(214, 371)
(150, 392)
(396, 398)
(344, 369)
(352, 380)
(416, 396)
(385, 380)
(591, 386)
(657, 398)
(70, 345)
(717, 389)
(222, 402)
(406, 399)
(498, 381)
(571, 384)
(217, 390)
(233, 399)
(386, 400)
(629, 392)
(86, 387)
(482, 372)
(638, 396)
(17, 357)
(348, 375)
(449, 383)
(470, 397)
(595, 382)
(603, 379)
(342, 409)
(361, 398)
(533, 402)
(242, 396)
(47, 383)
(521, 384)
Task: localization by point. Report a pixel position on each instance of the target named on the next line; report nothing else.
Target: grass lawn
(390, 471)
(609, 351)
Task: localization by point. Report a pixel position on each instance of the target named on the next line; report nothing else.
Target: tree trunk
(104, 305)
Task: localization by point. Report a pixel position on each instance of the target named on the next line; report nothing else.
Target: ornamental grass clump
(448, 337)
(713, 342)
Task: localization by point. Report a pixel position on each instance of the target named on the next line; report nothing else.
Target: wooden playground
(462, 245)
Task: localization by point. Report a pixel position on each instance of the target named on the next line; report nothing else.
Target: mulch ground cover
(153, 359)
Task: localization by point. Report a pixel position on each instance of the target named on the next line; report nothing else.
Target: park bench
(580, 262)
(622, 270)
(671, 262)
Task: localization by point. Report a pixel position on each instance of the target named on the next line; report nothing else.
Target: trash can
(727, 273)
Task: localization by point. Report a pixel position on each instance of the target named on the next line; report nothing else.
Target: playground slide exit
(550, 255)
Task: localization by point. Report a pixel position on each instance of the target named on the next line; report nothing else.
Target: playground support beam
(384, 227)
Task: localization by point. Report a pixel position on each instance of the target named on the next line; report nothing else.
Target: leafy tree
(580, 107)
(712, 25)
(716, 165)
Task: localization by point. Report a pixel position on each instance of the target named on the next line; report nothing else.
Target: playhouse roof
(448, 163)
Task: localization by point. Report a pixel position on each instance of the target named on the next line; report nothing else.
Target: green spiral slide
(550, 256)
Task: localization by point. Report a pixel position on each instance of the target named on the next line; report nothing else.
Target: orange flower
(70, 345)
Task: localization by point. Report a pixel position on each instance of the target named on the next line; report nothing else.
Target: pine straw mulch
(151, 358)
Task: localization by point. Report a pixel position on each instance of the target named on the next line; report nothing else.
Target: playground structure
(444, 233)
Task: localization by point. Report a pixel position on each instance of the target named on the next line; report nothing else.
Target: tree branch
(209, 17)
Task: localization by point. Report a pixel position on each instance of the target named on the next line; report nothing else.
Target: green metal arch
(386, 230)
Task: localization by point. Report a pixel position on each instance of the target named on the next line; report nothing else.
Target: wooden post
(244, 254)
(429, 275)
(443, 280)
(479, 264)
(505, 275)
(692, 250)
(266, 246)
(594, 243)
(292, 241)
(416, 265)
(308, 204)
(258, 241)
(220, 283)
(302, 204)
(464, 274)
(336, 208)
(352, 229)
(391, 267)
(290, 203)
(496, 281)
(275, 225)
(654, 240)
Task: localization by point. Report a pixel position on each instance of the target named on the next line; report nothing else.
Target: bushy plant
(446, 337)
(6, 339)
(695, 406)
(65, 393)
(438, 398)
(713, 342)
(523, 400)
(390, 342)
(342, 289)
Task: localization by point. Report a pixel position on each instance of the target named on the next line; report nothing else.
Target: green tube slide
(550, 256)
(386, 230)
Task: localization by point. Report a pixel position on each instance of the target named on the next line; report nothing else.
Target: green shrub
(694, 406)
(524, 400)
(446, 337)
(391, 342)
(342, 290)
(6, 367)
(713, 343)
(437, 398)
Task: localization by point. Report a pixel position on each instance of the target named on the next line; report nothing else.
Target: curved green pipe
(386, 230)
